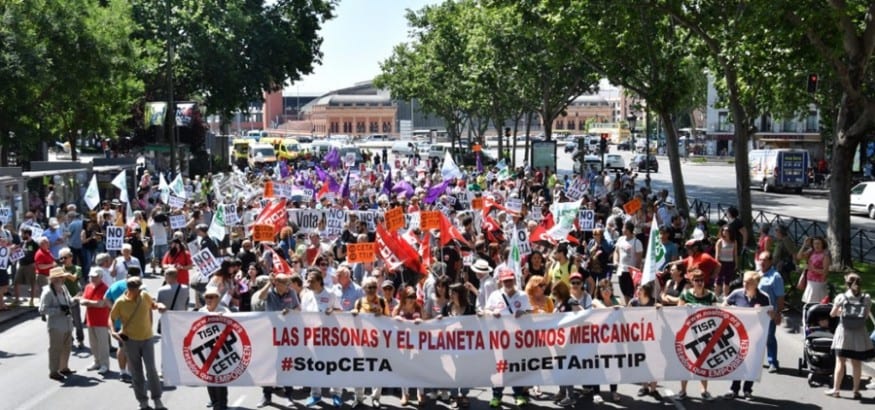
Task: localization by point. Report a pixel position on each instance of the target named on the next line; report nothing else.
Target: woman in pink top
(814, 251)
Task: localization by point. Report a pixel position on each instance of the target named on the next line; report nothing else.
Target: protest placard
(206, 262)
(4, 258)
(263, 232)
(115, 237)
(16, 255)
(395, 219)
(281, 190)
(175, 202)
(514, 204)
(576, 190)
(477, 203)
(334, 221)
(368, 217)
(361, 252)
(411, 220)
(430, 219)
(231, 216)
(586, 219)
(5, 214)
(632, 206)
(307, 220)
(177, 221)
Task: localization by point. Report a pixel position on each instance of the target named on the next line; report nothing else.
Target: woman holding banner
(605, 299)
(409, 310)
(370, 303)
(698, 295)
(212, 306)
(458, 306)
(564, 303)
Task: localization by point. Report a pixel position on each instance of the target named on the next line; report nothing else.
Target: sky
(362, 34)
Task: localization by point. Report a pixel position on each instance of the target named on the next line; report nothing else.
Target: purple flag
(387, 183)
(403, 187)
(285, 172)
(332, 158)
(333, 186)
(344, 193)
(479, 163)
(435, 192)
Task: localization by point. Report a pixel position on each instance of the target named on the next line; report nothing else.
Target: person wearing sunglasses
(698, 295)
(748, 296)
(507, 300)
(213, 306)
(409, 310)
(73, 283)
(370, 303)
(278, 296)
(319, 299)
(578, 290)
(604, 298)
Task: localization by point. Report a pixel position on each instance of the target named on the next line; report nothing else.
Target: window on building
(560, 125)
(765, 123)
(811, 122)
(789, 125)
(723, 122)
(387, 127)
(360, 127)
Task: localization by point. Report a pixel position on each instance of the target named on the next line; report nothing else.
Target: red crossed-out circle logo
(712, 343)
(217, 349)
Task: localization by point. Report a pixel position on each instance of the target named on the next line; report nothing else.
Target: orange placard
(394, 219)
(268, 189)
(476, 148)
(262, 233)
(361, 252)
(477, 203)
(632, 206)
(430, 220)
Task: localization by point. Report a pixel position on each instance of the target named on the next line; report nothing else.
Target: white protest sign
(411, 220)
(36, 231)
(206, 263)
(5, 214)
(16, 255)
(231, 217)
(281, 190)
(349, 158)
(308, 194)
(4, 258)
(175, 202)
(535, 214)
(451, 200)
(369, 217)
(306, 219)
(586, 219)
(334, 221)
(115, 237)
(524, 244)
(576, 190)
(177, 222)
(514, 204)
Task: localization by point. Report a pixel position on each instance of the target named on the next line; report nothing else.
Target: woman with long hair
(818, 260)
(675, 285)
(458, 305)
(726, 251)
(409, 310)
(851, 341)
(605, 299)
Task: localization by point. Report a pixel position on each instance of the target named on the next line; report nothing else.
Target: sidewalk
(790, 331)
(14, 313)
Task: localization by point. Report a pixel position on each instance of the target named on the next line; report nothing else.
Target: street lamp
(632, 119)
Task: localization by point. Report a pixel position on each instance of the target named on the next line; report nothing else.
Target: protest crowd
(413, 239)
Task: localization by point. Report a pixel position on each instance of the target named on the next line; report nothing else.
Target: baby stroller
(818, 332)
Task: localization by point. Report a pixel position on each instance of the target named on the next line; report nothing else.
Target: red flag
(540, 234)
(450, 232)
(492, 229)
(489, 205)
(280, 265)
(274, 214)
(323, 191)
(425, 245)
(396, 252)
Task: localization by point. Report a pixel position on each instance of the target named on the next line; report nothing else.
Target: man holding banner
(507, 300)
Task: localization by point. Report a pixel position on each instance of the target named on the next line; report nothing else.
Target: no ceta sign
(217, 349)
(712, 343)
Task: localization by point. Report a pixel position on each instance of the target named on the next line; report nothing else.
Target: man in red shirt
(97, 320)
(698, 260)
(44, 262)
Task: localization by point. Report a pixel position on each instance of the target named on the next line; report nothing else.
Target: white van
(779, 169)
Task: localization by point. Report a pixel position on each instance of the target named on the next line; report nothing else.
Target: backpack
(854, 312)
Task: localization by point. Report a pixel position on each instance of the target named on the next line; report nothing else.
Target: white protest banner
(36, 230)
(369, 217)
(514, 204)
(177, 221)
(206, 262)
(411, 220)
(231, 217)
(16, 255)
(524, 244)
(586, 219)
(4, 258)
(535, 214)
(306, 219)
(349, 159)
(576, 190)
(5, 215)
(601, 346)
(115, 237)
(334, 221)
(175, 202)
(281, 190)
(564, 214)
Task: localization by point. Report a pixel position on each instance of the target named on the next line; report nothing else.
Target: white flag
(92, 194)
(163, 188)
(655, 254)
(177, 186)
(450, 170)
(121, 182)
(515, 258)
(564, 213)
(217, 226)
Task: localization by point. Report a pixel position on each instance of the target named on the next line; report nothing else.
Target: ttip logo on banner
(712, 343)
(217, 349)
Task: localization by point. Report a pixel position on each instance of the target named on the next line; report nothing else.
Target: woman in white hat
(218, 394)
(54, 305)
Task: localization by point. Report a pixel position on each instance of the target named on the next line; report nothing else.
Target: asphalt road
(26, 385)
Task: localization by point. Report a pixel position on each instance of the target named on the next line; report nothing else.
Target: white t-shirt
(519, 301)
(627, 249)
(159, 234)
(319, 302)
(121, 268)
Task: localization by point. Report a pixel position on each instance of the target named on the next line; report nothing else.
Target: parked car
(624, 146)
(863, 199)
(642, 164)
(571, 146)
(589, 161)
(614, 161)
(378, 137)
(405, 148)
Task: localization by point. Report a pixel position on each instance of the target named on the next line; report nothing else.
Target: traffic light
(603, 143)
(812, 83)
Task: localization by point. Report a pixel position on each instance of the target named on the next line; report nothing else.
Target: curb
(14, 313)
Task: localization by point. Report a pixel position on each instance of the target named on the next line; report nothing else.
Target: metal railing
(862, 241)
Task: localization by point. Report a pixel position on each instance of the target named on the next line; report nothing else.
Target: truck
(781, 169)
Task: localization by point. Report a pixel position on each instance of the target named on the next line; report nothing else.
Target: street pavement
(23, 375)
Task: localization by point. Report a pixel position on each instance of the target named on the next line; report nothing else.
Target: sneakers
(521, 401)
(597, 399)
(495, 402)
(126, 378)
(336, 401)
(67, 371)
(567, 402)
(655, 394)
(356, 403)
(375, 402)
(707, 396)
(57, 376)
(312, 401)
(103, 370)
(748, 395)
(730, 396)
(265, 401)
(93, 367)
(773, 368)
(643, 391)
(682, 395)
(159, 405)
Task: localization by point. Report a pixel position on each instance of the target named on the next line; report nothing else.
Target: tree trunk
(516, 125)
(742, 167)
(529, 116)
(674, 164)
(71, 138)
(839, 217)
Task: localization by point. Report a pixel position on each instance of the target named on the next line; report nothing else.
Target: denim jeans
(772, 345)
